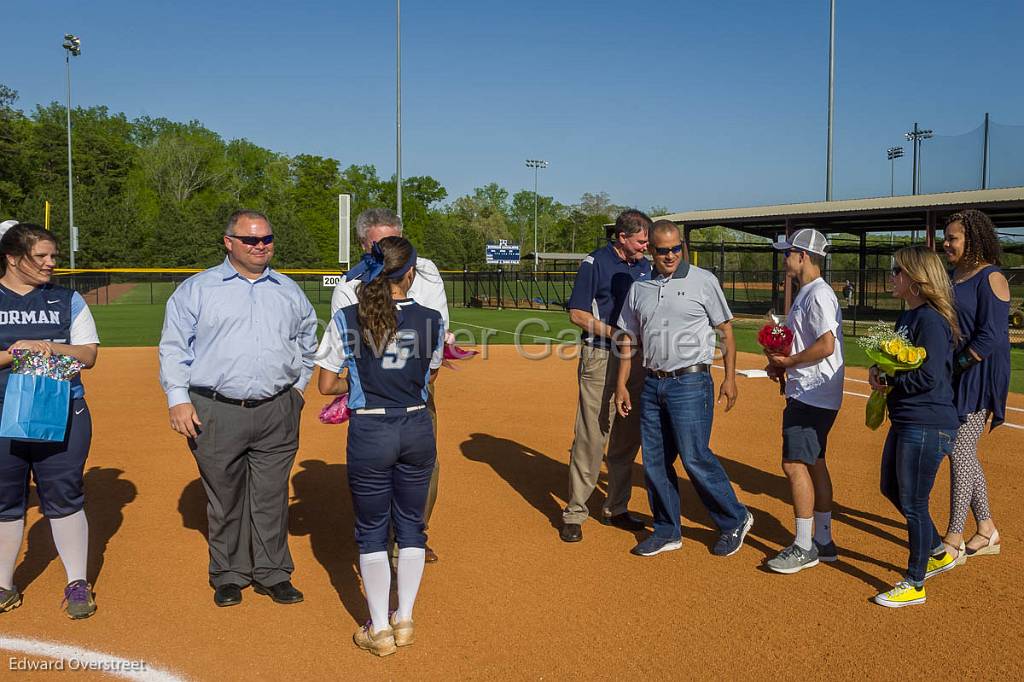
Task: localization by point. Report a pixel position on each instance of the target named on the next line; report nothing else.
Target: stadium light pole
(893, 153)
(831, 96)
(536, 165)
(915, 136)
(72, 47)
(398, 106)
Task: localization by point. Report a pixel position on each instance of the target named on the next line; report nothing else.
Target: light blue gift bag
(35, 408)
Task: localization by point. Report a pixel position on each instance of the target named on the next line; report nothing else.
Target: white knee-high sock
(11, 533)
(822, 527)
(71, 537)
(376, 572)
(410, 572)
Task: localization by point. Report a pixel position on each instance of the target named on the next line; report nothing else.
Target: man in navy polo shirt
(602, 283)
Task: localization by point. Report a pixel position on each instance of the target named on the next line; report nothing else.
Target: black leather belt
(220, 398)
(692, 369)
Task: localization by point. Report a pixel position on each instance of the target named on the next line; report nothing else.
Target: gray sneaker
(794, 558)
(827, 553)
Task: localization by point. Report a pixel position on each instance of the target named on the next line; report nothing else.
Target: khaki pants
(597, 425)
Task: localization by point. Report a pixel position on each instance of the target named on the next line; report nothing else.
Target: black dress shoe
(625, 521)
(227, 595)
(282, 593)
(571, 532)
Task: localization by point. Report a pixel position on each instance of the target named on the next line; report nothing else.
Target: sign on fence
(332, 280)
(503, 253)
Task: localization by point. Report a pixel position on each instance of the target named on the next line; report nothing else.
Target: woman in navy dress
(392, 348)
(981, 374)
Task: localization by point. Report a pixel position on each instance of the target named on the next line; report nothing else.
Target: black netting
(952, 163)
(1006, 155)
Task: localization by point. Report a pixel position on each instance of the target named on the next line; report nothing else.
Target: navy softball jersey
(47, 313)
(399, 377)
(391, 443)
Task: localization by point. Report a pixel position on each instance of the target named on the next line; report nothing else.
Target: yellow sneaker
(940, 564)
(904, 594)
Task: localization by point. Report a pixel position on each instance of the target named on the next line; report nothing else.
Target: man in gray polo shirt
(673, 318)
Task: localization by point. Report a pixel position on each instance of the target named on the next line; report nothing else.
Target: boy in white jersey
(814, 393)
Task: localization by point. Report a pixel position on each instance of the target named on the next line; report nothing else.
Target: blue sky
(685, 105)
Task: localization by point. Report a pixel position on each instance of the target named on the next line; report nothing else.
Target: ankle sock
(71, 537)
(823, 527)
(803, 533)
(410, 572)
(375, 570)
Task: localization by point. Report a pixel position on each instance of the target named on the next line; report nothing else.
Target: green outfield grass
(137, 324)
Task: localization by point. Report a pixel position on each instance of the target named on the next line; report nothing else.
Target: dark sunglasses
(665, 250)
(787, 252)
(896, 270)
(253, 241)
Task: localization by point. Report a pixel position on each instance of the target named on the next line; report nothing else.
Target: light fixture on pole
(893, 153)
(72, 47)
(536, 165)
(915, 136)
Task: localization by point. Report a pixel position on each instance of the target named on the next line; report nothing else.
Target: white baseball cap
(6, 225)
(806, 239)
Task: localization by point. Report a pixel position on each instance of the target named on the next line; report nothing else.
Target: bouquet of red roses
(776, 339)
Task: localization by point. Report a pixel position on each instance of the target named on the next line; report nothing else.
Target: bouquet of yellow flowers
(892, 352)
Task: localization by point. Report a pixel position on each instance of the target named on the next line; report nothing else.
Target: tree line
(151, 192)
(156, 193)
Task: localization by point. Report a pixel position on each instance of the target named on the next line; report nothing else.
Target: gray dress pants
(245, 457)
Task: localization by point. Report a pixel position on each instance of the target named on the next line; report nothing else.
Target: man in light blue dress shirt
(236, 354)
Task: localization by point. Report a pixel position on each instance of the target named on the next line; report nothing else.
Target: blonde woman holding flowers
(921, 410)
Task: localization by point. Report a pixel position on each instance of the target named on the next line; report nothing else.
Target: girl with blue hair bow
(392, 348)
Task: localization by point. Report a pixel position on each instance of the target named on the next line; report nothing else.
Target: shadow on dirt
(106, 496)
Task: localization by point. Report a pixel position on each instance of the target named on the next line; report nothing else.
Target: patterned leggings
(967, 487)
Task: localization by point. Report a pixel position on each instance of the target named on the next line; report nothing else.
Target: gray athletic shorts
(805, 431)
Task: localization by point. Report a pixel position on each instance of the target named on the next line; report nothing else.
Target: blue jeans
(675, 418)
(910, 460)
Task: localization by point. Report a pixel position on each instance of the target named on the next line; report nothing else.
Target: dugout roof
(858, 216)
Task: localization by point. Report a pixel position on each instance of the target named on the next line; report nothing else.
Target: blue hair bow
(372, 266)
(369, 268)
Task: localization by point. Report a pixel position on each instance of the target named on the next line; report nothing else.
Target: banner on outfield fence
(502, 253)
(344, 228)
(331, 281)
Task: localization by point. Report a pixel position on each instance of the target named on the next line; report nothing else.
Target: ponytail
(378, 319)
(388, 261)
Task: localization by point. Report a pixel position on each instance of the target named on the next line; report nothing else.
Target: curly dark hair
(378, 318)
(981, 243)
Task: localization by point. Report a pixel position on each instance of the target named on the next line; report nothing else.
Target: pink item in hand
(453, 352)
(336, 412)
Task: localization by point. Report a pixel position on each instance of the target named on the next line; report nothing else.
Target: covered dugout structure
(925, 213)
